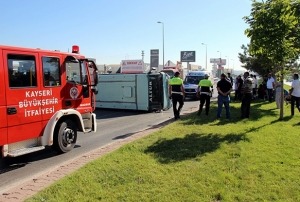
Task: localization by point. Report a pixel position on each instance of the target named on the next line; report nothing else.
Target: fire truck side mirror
(95, 75)
(71, 59)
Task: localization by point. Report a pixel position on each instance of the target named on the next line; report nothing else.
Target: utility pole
(143, 55)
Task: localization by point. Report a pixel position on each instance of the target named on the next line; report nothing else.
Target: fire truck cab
(45, 98)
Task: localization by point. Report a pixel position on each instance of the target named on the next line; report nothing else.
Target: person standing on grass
(270, 87)
(295, 94)
(247, 95)
(176, 92)
(238, 86)
(230, 78)
(204, 93)
(224, 88)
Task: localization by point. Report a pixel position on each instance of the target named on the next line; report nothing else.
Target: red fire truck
(45, 98)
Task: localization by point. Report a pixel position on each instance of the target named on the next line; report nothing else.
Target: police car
(192, 80)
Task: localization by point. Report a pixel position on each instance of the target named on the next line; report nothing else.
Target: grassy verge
(197, 159)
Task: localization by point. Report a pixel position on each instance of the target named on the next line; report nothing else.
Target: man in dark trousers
(204, 92)
(224, 88)
(176, 92)
(246, 95)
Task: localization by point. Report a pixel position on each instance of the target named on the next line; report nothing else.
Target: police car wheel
(65, 136)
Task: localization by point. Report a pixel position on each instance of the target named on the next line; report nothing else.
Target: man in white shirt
(295, 94)
(270, 86)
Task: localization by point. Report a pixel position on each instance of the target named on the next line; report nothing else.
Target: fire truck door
(23, 95)
(3, 117)
(77, 87)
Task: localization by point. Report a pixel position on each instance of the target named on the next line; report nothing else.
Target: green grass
(197, 159)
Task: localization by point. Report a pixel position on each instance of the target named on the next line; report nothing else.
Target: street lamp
(220, 54)
(163, 30)
(206, 55)
(219, 70)
(232, 64)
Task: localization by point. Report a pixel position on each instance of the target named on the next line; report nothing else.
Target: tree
(272, 26)
(257, 64)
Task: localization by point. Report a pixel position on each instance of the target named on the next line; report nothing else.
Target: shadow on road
(9, 164)
(12, 167)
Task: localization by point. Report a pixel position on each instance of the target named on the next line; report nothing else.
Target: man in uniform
(204, 93)
(176, 92)
(246, 95)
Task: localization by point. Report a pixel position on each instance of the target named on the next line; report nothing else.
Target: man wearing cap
(204, 93)
(224, 88)
(176, 92)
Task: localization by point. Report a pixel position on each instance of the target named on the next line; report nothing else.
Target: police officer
(176, 92)
(204, 93)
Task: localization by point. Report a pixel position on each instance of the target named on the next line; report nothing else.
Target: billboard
(132, 66)
(154, 58)
(188, 56)
(218, 61)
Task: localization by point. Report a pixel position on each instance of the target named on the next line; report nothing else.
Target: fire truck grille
(23, 144)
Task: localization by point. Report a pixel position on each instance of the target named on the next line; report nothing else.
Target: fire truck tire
(65, 136)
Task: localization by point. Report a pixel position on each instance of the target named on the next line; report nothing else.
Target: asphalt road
(112, 125)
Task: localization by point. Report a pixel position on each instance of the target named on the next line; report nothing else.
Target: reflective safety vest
(205, 84)
(175, 83)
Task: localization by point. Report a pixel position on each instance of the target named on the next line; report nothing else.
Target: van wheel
(65, 136)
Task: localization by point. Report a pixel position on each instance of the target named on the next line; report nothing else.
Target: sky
(115, 30)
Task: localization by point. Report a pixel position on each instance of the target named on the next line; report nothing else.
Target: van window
(51, 71)
(21, 70)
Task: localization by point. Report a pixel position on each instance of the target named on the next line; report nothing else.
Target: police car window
(51, 71)
(193, 79)
(21, 70)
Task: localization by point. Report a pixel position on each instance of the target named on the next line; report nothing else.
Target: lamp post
(220, 54)
(206, 55)
(219, 69)
(232, 64)
(163, 32)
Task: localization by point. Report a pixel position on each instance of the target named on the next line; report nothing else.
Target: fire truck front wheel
(65, 136)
